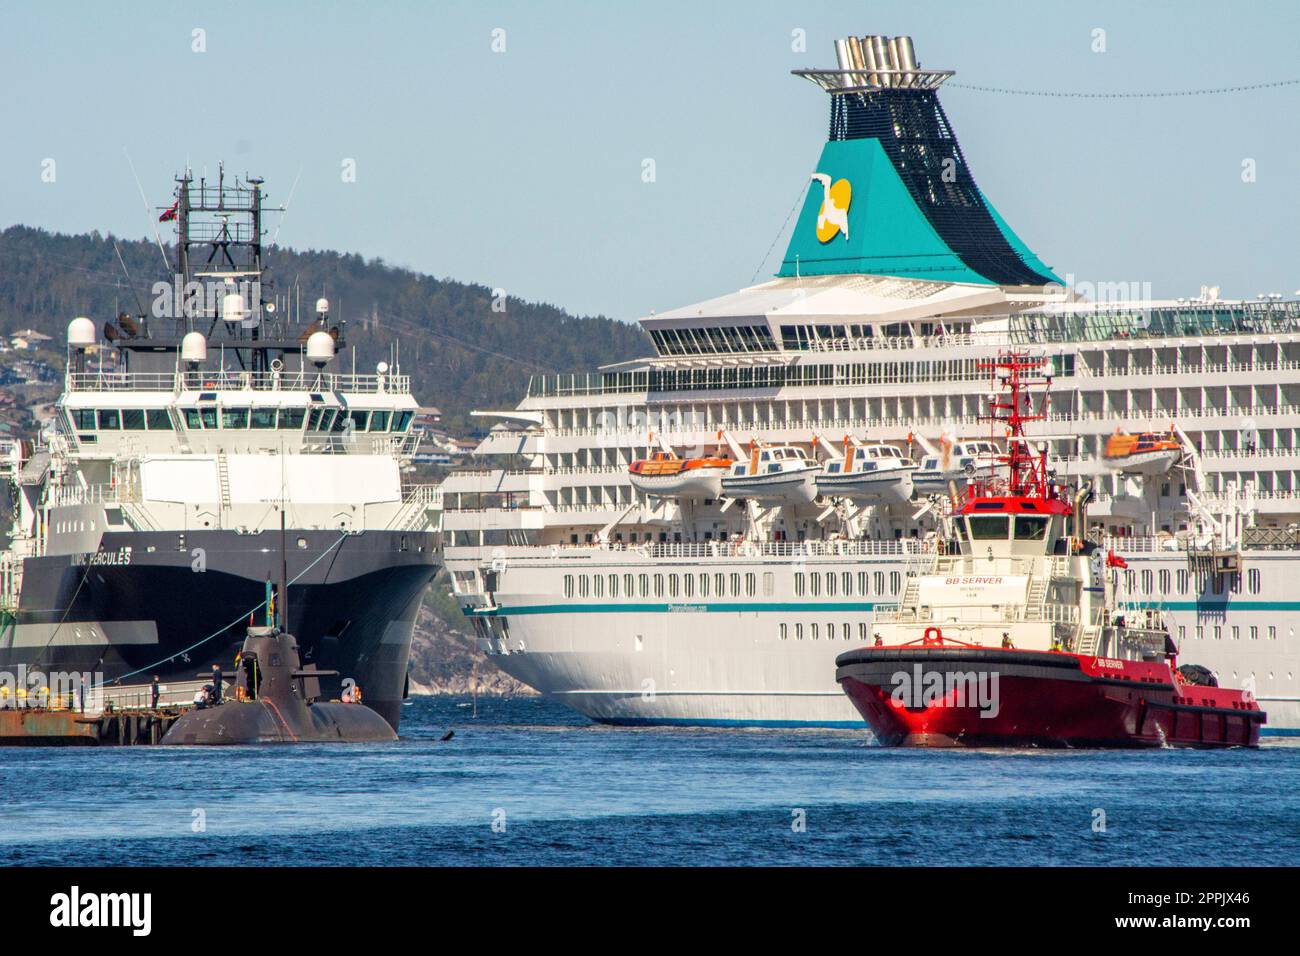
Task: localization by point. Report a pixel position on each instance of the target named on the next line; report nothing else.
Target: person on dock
(154, 690)
(216, 684)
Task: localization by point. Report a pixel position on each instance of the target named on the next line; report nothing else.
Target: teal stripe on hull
(768, 607)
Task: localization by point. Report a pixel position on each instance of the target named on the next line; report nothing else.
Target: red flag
(170, 213)
(1113, 560)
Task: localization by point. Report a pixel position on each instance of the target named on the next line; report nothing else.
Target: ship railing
(977, 614)
(218, 380)
(1250, 453)
(736, 550)
(1181, 412)
(361, 443)
(95, 494)
(419, 500)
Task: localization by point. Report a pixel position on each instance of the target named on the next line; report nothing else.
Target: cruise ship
(1178, 420)
(201, 453)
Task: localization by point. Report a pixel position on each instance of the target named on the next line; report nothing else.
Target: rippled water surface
(526, 781)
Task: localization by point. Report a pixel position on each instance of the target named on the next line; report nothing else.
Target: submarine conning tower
(893, 194)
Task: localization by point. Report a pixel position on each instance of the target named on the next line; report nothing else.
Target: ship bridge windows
(1031, 527)
(109, 419)
(262, 418)
(234, 418)
(987, 527)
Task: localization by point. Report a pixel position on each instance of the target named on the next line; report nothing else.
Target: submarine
(276, 700)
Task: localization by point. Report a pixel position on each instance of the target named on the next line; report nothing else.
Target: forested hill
(460, 353)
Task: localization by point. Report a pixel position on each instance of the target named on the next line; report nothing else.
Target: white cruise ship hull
(738, 659)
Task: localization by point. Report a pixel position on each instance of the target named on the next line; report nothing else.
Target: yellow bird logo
(833, 217)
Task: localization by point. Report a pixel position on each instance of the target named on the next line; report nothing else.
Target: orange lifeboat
(666, 475)
(1144, 453)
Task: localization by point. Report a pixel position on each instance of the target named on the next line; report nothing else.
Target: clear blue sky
(523, 169)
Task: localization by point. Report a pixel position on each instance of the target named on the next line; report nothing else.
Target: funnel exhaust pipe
(906, 58)
(880, 46)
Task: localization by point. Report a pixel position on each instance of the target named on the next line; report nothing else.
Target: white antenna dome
(322, 306)
(382, 368)
(320, 348)
(194, 348)
(81, 333)
(234, 308)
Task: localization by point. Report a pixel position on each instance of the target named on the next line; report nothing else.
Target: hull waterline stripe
(756, 606)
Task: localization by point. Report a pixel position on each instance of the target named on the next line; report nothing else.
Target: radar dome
(234, 308)
(194, 348)
(81, 332)
(320, 348)
(322, 306)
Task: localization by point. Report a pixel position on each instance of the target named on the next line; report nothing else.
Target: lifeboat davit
(667, 476)
(781, 475)
(1146, 453)
(960, 462)
(869, 473)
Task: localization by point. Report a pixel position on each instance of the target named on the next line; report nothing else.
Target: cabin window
(208, 416)
(83, 419)
(401, 420)
(340, 422)
(672, 585)
(644, 581)
(262, 418)
(830, 584)
(879, 581)
(798, 584)
(816, 581)
(751, 585)
(1030, 528)
(158, 419)
(688, 585)
(613, 585)
(785, 636)
(987, 527)
(133, 419)
(582, 586)
(568, 585)
(735, 585)
(814, 632)
(847, 580)
(846, 631)
(327, 419)
(704, 585)
(598, 586)
(110, 418)
(862, 631)
(862, 584)
(292, 418)
(234, 418)
(659, 585)
(627, 585)
(719, 584)
(379, 422)
(895, 580)
(192, 418)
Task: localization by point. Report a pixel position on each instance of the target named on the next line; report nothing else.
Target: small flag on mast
(170, 213)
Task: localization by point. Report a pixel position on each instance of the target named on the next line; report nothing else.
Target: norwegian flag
(170, 213)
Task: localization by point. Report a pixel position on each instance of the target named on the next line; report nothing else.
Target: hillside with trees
(460, 353)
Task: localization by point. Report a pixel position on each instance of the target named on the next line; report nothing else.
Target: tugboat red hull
(958, 696)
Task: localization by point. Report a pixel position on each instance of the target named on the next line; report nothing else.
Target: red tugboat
(1009, 634)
